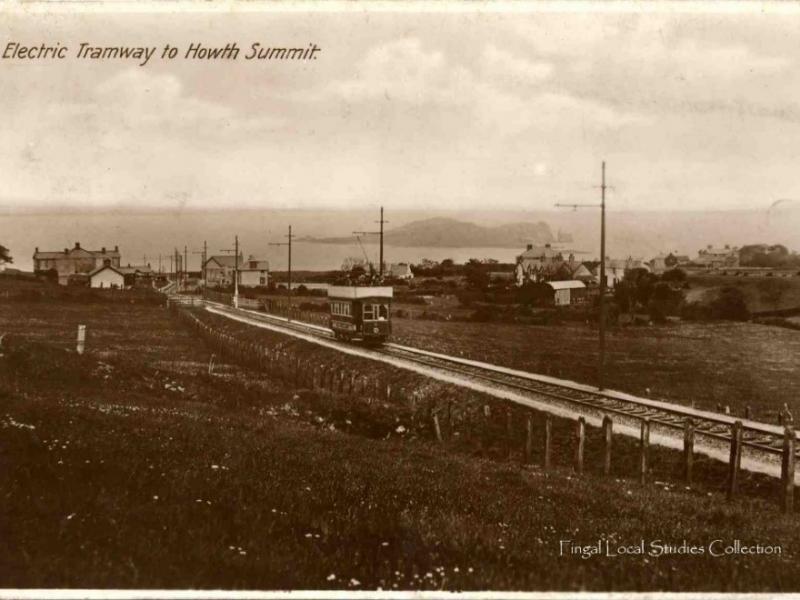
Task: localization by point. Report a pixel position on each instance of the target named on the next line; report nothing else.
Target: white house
(253, 272)
(106, 277)
(401, 271)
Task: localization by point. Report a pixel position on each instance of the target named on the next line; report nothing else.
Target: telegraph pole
(379, 233)
(601, 362)
(235, 270)
(185, 265)
(203, 257)
(289, 287)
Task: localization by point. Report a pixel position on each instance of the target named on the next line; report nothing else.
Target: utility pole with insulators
(289, 286)
(601, 361)
(235, 269)
(203, 257)
(379, 233)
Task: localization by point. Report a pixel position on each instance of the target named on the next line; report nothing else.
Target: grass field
(131, 467)
(703, 364)
(761, 293)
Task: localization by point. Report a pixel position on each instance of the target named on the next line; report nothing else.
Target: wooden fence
(317, 375)
(272, 307)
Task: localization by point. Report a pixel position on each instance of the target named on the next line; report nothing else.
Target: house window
(262, 280)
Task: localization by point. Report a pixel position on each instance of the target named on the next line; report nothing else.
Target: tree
(5, 255)
(772, 291)
(476, 274)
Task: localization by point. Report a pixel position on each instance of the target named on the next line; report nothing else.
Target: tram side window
(341, 309)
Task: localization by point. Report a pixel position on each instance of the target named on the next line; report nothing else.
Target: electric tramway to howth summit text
(143, 54)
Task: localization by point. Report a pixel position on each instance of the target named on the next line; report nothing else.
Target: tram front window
(376, 312)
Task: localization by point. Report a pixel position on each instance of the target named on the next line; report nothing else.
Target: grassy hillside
(129, 467)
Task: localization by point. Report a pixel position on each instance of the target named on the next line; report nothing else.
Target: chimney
(66, 251)
(727, 246)
(547, 245)
(36, 250)
(709, 246)
(530, 247)
(103, 250)
(77, 245)
(116, 248)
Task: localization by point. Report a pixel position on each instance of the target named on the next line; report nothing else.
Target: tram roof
(351, 292)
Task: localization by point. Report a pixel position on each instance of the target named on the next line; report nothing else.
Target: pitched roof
(130, 269)
(260, 265)
(104, 267)
(566, 285)
(225, 260)
(62, 254)
(400, 269)
(540, 252)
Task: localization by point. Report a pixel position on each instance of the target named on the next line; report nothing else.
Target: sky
(415, 108)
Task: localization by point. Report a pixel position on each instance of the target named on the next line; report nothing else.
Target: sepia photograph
(399, 299)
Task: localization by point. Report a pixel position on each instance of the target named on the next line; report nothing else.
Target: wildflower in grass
(155, 497)
(308, 535)
(331, 577)
(384, 544)
(400, 429)
(355, 582)
(215, 467)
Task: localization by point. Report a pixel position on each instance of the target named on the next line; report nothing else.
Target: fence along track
(760, 438)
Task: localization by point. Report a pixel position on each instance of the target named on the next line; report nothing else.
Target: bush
(729, 305)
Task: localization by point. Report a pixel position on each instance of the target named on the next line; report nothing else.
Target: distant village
(570, 279)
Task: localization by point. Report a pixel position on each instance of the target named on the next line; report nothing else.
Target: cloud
(508, 68)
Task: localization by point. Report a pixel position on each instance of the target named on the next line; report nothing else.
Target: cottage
(715, 258)
(566, 293)
(107, 276)
(252, 272)
(138, 275)
(401, 271)
(73, 261)
(538, 263)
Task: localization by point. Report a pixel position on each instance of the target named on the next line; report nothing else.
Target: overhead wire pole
(203, 257)
(235, 269)
(601, 361)
(379, 233)
(289, 285)
(185, 266)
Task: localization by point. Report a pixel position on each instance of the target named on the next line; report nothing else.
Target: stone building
(74, 261)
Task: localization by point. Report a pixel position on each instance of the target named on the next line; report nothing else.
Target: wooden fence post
(580, 433)
(81, 345)
(688, 450)
(528, 439)
(644, 447)
(436, 427)
(548, 433)
(608, 426)
(735, 459)
(747, 412)
(787, 471)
